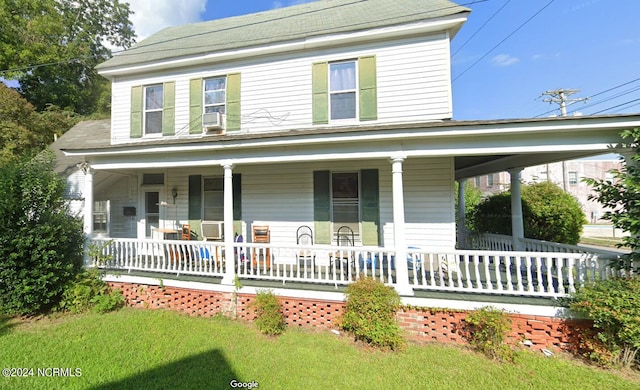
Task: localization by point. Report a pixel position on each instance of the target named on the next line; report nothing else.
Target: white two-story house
(333, 115)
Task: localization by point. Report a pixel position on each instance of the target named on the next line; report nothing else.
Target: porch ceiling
(472, 166)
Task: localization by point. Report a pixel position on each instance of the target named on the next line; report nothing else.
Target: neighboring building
(568, 175)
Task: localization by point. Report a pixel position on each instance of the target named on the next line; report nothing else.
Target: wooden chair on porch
(261, 257)
(186, 232)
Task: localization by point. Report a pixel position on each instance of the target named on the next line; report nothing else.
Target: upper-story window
(153, 109)
(215, 94)
(342, 90)
(153, 103)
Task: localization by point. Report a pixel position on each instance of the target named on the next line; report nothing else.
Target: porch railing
(500, 242)
(544, 274)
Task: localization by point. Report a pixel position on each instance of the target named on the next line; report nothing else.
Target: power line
(616, 106)
(603, 92)
(480, 29)
(502, 41)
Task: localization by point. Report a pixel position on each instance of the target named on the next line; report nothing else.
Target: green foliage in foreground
(41, 244)
(89, 292)
(370, 313)
(270, 319)
(620, 196)
(613, 306)
(548, 212)
(140, 349)
(487, 331)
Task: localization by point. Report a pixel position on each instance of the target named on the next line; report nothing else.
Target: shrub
(613, 306)
(370, 313)
(89, 291)
(41, 244)
(548, 213)
(270, 319)
(487, 330)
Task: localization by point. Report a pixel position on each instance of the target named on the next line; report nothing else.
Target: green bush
(613, 306)
(370, 313)
(487, 330)
(548, 214)
(89, 291)
(270, 319)
(41, 244)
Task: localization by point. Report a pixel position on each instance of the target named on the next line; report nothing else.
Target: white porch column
(517, 222)
(229, 272)
(88, 198)
(462, 217)
(402, 273)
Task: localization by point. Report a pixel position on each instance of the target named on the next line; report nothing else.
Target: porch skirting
(324, 309)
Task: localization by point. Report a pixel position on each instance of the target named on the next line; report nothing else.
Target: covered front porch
(392, 187)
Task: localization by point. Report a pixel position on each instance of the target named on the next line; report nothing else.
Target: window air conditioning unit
(213, 123)
(212, 230)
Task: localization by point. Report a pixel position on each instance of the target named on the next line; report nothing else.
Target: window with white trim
(153, 103)
(101, 216)
(215, 94)
(343, 87)
(573, 177)
(213, 199)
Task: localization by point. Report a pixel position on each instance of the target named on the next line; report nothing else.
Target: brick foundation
(419, 324)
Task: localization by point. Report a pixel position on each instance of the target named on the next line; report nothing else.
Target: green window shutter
(136, 112)
(322, 207)
(370, 207)
(368, 88)
(195, 203)
(236, 182)
(320, 91)
(169, 108)
(195, 106)
(233, 102)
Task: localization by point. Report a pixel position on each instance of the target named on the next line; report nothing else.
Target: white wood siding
(281, 196)
(412, 80)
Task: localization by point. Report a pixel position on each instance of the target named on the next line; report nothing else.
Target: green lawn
(139, 349)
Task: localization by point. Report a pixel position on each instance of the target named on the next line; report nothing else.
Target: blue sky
(590, 45)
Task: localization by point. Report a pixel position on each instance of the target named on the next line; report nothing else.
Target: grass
(165, 350)
(609, 242)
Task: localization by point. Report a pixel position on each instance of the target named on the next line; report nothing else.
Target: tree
(41, 244)
(548, 212)
(23, 131)
(52, 46)
(621, 197)
(472, 198)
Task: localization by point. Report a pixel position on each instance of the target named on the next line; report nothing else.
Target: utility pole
(561, 96)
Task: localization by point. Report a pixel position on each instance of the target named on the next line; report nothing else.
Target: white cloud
(152, 16)
(504, 60)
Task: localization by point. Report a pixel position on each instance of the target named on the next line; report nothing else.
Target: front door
(151, 212)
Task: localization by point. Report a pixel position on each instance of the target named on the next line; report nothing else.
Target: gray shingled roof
(288, 24)
(86, 134)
